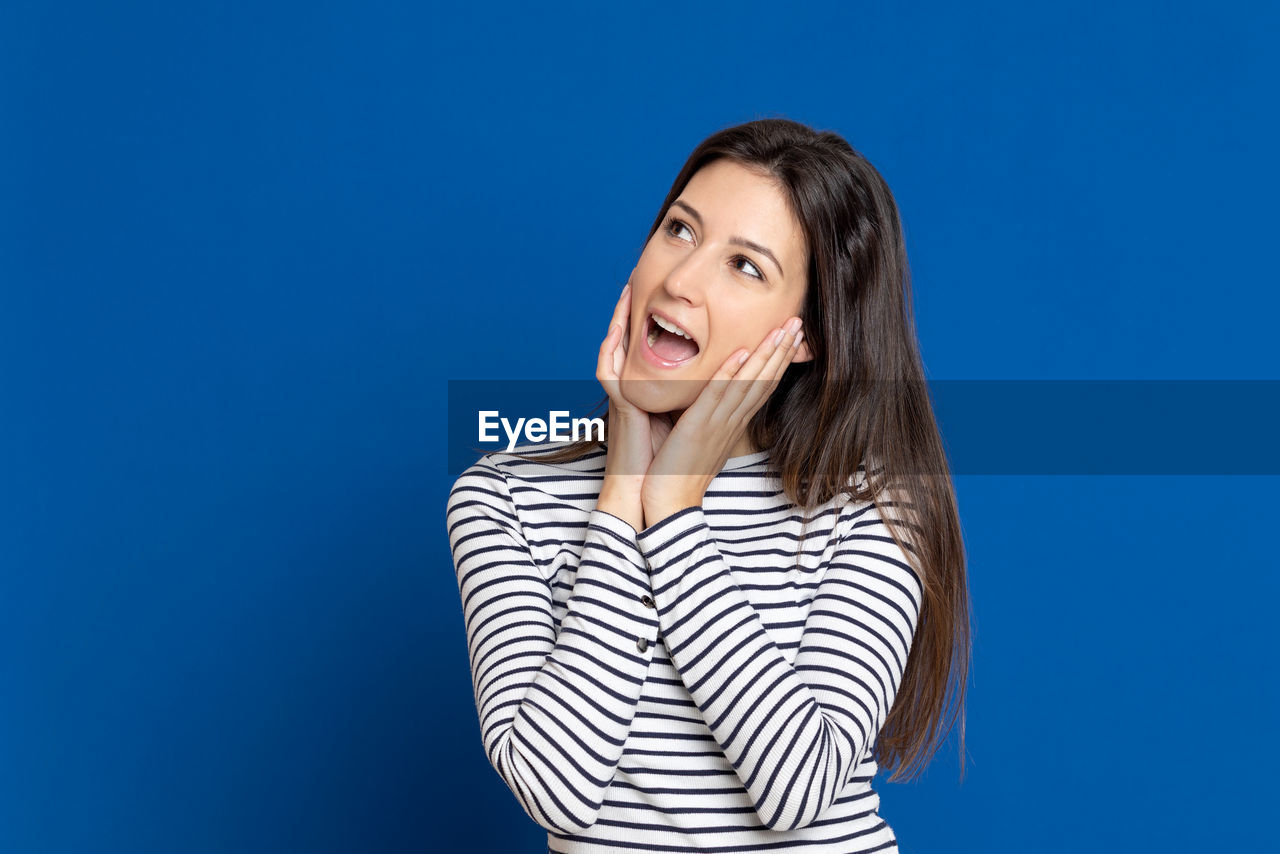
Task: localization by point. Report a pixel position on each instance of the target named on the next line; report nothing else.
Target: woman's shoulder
(547, 459)
(555, 469)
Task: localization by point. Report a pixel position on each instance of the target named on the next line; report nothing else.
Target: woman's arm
(794, 732)
(554, 710)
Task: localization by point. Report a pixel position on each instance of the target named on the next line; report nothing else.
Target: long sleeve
(792, 732)
(554, 709)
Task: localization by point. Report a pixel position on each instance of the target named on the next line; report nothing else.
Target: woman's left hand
(702, 440)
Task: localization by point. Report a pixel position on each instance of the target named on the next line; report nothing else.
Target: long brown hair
(865, 393)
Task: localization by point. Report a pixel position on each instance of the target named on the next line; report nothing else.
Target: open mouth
(668, 342)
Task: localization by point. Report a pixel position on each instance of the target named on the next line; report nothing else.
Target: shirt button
(642, 644)
(648, 602)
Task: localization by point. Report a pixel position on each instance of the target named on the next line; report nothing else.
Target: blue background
(243, 248)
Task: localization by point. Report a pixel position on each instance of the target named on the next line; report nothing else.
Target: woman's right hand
(630, 442)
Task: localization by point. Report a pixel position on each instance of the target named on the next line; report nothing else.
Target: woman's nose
(688, 280)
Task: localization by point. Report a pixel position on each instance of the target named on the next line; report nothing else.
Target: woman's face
(728, 265)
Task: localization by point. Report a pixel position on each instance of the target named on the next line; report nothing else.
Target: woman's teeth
(667, 325)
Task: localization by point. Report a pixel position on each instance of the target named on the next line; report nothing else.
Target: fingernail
(796, 343)
(777, 337)
(793, 325)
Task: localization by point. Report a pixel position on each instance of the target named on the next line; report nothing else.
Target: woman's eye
(756, 274)
(673, 224)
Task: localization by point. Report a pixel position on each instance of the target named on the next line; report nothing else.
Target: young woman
(711, 630)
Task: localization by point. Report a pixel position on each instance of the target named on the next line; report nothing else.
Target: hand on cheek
(701, 441)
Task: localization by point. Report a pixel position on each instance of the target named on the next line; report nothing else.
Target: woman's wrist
(620, 496)
(657, 508)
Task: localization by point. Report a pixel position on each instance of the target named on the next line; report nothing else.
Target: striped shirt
(712, 683)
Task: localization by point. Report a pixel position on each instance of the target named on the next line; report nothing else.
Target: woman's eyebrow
(735, 240)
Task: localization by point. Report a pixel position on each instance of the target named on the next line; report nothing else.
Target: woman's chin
(658, 395)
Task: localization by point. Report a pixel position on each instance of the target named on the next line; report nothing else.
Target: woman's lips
(653, 358)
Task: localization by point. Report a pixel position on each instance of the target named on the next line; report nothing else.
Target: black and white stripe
(710, 683)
